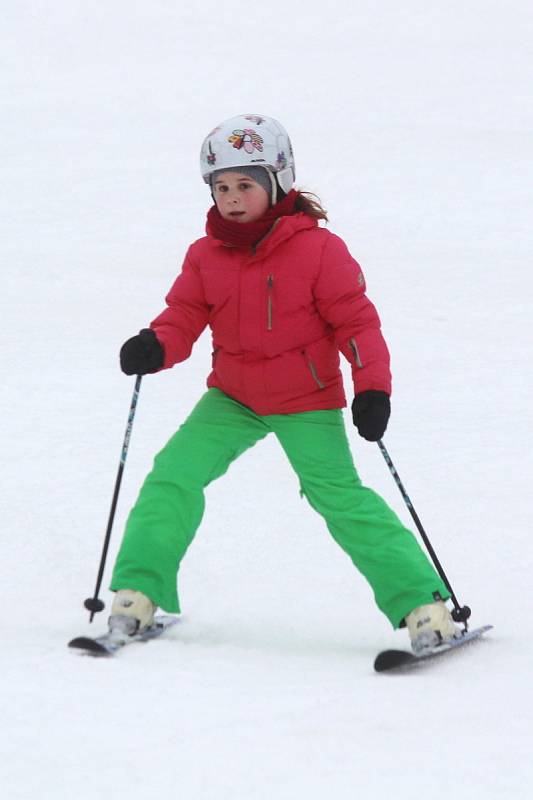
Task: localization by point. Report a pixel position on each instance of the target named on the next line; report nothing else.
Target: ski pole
(94, 604)
(459, 613)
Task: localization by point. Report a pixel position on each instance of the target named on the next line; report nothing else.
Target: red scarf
(246, 234)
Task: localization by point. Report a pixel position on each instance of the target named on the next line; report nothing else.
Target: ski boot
(132, 612)
(430, 626)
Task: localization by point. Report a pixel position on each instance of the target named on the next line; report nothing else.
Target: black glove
(371, 412)
(141, 354)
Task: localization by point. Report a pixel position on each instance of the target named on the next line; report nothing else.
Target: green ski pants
(169, 509)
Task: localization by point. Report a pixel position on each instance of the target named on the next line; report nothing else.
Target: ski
(404, 659)
(108, 643)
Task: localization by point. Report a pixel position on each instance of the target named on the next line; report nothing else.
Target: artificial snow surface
(413, 122)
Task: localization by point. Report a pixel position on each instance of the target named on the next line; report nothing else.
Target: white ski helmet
(249, 140)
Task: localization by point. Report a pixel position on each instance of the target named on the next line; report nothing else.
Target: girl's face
(239, 198)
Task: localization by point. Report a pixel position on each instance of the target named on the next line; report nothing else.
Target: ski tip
(89, 646)
(391, 659)
(483, 629)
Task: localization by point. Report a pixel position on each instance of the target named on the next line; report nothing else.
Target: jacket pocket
(214, 355)
(355, 351)
(270, 290)
(312, 369)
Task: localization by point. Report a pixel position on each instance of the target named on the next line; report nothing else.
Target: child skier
(282, 297)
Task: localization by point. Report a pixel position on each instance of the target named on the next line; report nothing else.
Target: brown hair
(309, 203)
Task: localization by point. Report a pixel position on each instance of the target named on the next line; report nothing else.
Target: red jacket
(279, 316)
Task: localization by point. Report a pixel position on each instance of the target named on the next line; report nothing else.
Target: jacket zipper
(313, 371)
(270, 287)
(355, 351)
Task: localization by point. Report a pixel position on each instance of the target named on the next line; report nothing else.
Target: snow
(413, 123)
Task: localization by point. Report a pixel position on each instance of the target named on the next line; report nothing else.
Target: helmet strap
(274, 184)
(285, 179)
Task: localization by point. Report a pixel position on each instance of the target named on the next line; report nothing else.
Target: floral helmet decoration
(250, 140)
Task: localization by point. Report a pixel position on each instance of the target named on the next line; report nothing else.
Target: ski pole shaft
(460, 613)
(94, 604)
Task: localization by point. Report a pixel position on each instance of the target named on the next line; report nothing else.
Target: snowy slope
(413, 123)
